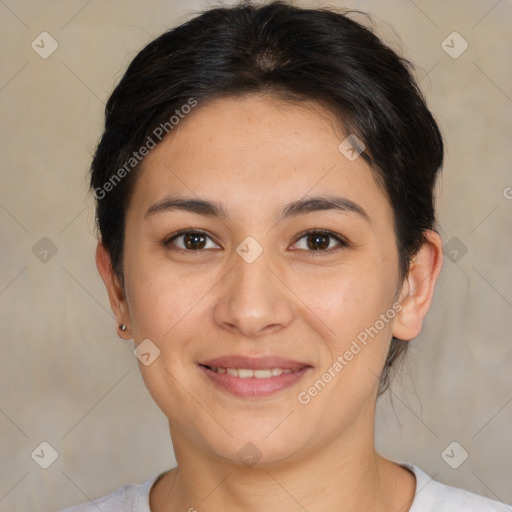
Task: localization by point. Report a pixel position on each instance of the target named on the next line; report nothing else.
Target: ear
(115, 291)
(418, 288)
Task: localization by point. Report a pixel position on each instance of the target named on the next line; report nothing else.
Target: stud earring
(122, 327)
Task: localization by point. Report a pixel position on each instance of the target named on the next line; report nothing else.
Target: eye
(190, 241)
(317, 240)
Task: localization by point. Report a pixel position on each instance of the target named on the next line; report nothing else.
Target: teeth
(262, 374)
(246, 373)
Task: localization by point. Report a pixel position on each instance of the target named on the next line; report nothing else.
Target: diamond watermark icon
(351, 147)
(249, 454)
(455, 249)
(249, 250)
(44, 455)
(44, 250)
(454, 45)
(454, 455)
(146, 352)
(44, 45)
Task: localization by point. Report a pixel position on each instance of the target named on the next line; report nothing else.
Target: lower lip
(253, 387)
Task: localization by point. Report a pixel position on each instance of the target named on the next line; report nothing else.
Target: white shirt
(430, 496)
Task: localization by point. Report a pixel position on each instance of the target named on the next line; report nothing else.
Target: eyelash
(342, 243)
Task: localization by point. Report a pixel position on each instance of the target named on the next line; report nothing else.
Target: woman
(264, 190)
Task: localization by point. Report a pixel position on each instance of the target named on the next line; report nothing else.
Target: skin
(253, 155)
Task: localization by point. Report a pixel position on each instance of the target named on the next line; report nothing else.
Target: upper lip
(254, 363)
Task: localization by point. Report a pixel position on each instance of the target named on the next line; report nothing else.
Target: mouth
(253, 377)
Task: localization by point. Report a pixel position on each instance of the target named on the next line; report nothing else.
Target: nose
(254, 299)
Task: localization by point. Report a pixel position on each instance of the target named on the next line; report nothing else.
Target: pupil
(317, 239)
(192, 239)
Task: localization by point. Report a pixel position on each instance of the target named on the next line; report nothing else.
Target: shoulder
(433, 496)
(134, 496)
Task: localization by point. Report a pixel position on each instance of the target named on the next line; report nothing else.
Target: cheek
(167, 310)
(347, 300)
(160, 297)
(357, 343)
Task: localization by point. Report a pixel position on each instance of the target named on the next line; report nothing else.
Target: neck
(345, 474)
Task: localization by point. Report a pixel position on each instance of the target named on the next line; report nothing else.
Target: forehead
(232, 128)
(254, 151)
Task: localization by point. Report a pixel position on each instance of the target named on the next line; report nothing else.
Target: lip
(253, 387)
(255, 363)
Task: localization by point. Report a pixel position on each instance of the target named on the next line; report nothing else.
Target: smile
(247, 373)
(253, 383)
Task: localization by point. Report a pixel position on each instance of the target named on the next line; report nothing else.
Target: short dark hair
(294, 54)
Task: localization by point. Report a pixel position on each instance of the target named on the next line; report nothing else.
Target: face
(260, 277)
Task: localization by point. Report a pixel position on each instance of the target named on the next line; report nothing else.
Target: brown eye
(194, 241)
(317, 241)
(190, 241)
(321, 241)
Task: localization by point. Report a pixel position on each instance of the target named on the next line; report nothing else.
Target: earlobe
(418, 288)
(114, 289)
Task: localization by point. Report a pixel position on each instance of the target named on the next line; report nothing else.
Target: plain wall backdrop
(68, 380)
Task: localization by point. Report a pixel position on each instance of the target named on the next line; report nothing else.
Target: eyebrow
(293, 209)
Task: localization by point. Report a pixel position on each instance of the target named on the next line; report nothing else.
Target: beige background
(66, 378)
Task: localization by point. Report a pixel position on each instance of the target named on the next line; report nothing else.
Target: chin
(254, 447)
